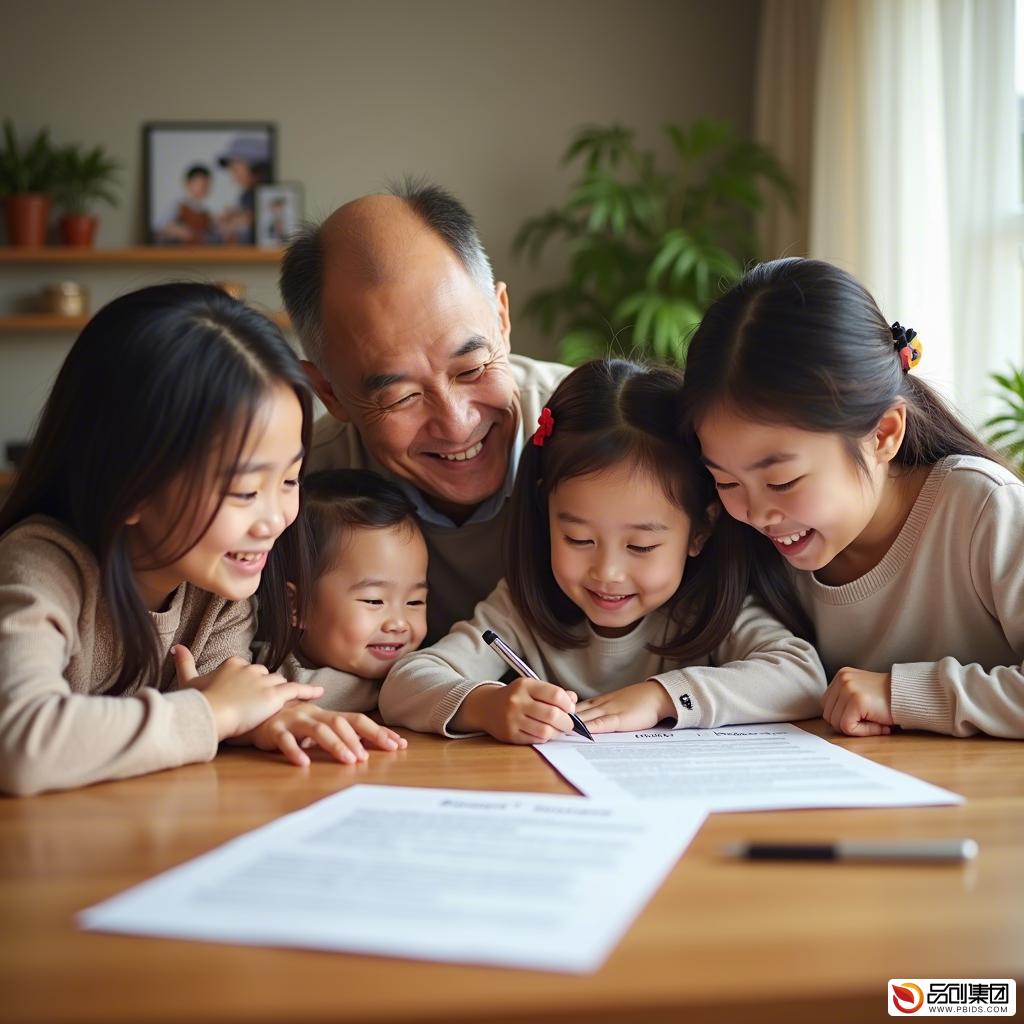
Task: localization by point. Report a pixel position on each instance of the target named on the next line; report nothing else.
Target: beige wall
(479, 95)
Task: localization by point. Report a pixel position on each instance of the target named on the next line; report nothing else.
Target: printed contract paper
(735, 768)
(511, 879)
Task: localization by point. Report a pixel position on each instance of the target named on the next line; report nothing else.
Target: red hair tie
(545, 426)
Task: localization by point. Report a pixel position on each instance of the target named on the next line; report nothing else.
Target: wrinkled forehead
(426, 313)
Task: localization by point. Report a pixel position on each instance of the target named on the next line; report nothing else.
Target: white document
(511, 879)
(735, 768)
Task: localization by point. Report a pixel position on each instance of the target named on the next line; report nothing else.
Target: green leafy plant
(1006, 428)
(28, 168)
(83, 176)
(648, 248)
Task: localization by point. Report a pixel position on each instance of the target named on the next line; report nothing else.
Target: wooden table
(720, 941)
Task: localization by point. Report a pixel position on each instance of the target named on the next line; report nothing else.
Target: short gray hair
(302, 268)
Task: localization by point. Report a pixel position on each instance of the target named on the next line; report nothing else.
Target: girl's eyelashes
(786, 486)
(721, 485)
(415, 604)
(375, 601)
(242, 496)
(637, 549)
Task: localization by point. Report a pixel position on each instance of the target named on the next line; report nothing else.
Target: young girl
(164, 467)
(901, 529)
(366, 603)
(601, 598)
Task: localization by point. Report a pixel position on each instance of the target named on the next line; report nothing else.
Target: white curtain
(787, 69)
(916, 177)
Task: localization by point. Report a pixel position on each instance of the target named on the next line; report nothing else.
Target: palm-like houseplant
(649, 248)
(1006, 427)
(26, 178)
(83, 176)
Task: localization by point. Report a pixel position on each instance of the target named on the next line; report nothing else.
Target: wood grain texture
(720, 941)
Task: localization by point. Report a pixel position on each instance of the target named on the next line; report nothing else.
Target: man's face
(420, 365)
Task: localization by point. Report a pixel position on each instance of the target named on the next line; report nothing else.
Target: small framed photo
(278, 213)
(201, 179)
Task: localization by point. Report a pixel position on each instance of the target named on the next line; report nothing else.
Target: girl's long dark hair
(161, 387)
(802, 343)
(608, 413)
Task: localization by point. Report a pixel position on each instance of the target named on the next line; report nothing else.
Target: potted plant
(1006, 428)
(82, 177)
(648, 247)
(26, 177)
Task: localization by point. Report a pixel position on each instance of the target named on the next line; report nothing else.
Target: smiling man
(407, 338)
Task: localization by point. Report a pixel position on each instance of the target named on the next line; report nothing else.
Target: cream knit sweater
(944, 609)
(759, 673)
(58, 655)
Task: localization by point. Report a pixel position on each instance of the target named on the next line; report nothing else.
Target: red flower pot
(78, 229)
(27, 216)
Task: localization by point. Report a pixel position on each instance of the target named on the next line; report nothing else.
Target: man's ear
(699, 537)
(324, 391)
(889, 433)
(505, 323)
(293, 602)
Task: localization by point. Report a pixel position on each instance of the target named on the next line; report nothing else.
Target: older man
(407, 338)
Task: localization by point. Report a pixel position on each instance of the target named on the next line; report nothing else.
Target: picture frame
(278, 213)
(201, 179)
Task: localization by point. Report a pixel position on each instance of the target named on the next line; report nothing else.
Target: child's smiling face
(802, 489)
(262, 501)
(618, 546)
(370, 607)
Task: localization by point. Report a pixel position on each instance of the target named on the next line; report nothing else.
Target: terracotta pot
(78, 229)
(27, 216)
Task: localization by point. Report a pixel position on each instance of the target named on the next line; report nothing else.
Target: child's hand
(640, 706)
(240, 695)
(340, 733)
(859, 703)
(525, 711)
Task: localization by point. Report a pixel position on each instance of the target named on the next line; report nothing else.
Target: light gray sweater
(944, 609)
(759, 673)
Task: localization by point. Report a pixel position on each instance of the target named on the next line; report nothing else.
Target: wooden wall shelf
(155, 254)
(40, 322)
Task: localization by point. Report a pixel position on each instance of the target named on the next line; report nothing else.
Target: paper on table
(735, 768)
(454, 875)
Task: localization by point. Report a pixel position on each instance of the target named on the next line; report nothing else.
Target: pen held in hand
(513, 661)
(935, 850)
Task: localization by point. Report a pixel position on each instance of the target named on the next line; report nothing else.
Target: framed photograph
(201, 179)
(278, 212)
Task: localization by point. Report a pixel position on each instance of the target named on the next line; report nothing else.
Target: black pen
(513, 660)
(878, 850)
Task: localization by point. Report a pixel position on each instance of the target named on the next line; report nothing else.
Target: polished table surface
(720, 940)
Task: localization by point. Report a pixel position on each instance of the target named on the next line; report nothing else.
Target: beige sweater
(342, 690)
(58, 655)
(944, 609)
(759, 673)
(465, 561)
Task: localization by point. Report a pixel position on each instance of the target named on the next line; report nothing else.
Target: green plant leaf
(650, 243)
(584, 344)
